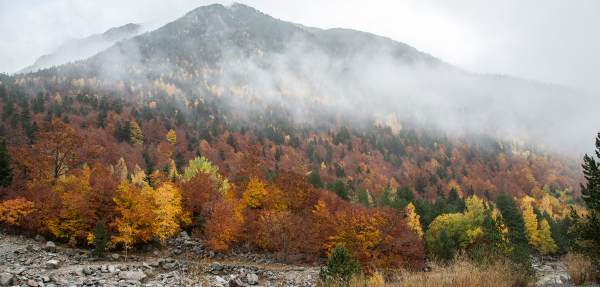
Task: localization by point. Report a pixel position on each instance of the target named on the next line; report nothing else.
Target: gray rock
(115, 256)
(46, 279)
(18, 271)
(5, 278)
(189, 242)
(111, 268)
(50, 246)
(86, 270)
(216, 266)
(156, 253)
(177, 251)
(32, 283)
(155, 264)
(79, 272)
(168, 266)
(52, 264)
(252, 279)
(132, 275)
(36, 248)
(564, 279)
(40, 238)
(183, 234)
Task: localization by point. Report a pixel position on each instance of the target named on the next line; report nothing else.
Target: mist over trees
(251, 132)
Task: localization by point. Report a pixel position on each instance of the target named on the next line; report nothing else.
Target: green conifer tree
(6, 171)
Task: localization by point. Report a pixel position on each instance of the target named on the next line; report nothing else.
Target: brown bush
(581, 269)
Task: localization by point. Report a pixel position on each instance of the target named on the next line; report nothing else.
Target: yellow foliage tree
(531, 225)
(166, 204)
(136, 134)
(413, 220)
(546, 243)
(254, 193)
(121, 170)
(137, 217)
(11, 211)
(172, 137)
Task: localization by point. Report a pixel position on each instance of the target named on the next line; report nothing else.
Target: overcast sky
(545, 40)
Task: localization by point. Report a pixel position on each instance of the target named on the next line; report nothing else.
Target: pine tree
(586, 230)
(443, 246)
(315, 179)
(101, 239)
(6, 171)
(340, 267)
(512, 217)
(340, 189)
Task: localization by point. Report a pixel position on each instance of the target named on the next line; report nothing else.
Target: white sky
(546, 40)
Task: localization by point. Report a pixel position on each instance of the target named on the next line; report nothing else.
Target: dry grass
(581, 269)
(462, 272)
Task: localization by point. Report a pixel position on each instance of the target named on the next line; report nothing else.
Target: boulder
(50, 246)
(86, 270)
(216, 266)
(252, 279)
(5, 279)
(32, 283)
(40, 238)
(115, 256)
(132, 275)
(52, 264)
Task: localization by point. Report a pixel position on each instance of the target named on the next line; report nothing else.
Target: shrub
(340, 267)
(580, 268)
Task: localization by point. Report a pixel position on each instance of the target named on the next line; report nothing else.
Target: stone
(18, 271)
(40, 238)
(177, 251)
(115, 256)
(50, 246)
(32, 283)
(216, 266)
(252, 279)
(183, 234)
(52, 264)
(86, 270)
(564, 279)
(111, 268)
(36, 248)
(220, 280)
(168, 266)
(189, 242)
(156, 253)
(46, 279)
(79, 272)
(132, 275)
(5, 278)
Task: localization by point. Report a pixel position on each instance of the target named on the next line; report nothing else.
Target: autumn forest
(172, 131)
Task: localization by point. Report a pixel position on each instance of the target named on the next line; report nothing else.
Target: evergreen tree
(443, 246)
(179, 162)
(512, 217)
(101, 239)
(231, 141)
(340, 189)
(363, 197)
(586, 230)
(6, 171)
(315, 179)
(340, 267)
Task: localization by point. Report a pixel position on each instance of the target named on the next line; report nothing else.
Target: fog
(357, 73)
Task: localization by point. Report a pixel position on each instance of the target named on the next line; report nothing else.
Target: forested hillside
(250, 132)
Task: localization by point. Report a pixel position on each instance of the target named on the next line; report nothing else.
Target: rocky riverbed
(40, 263)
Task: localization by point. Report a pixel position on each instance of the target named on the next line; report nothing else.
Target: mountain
(300, 134)
(78, 49)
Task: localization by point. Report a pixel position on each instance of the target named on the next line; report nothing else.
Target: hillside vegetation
(250, 132)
